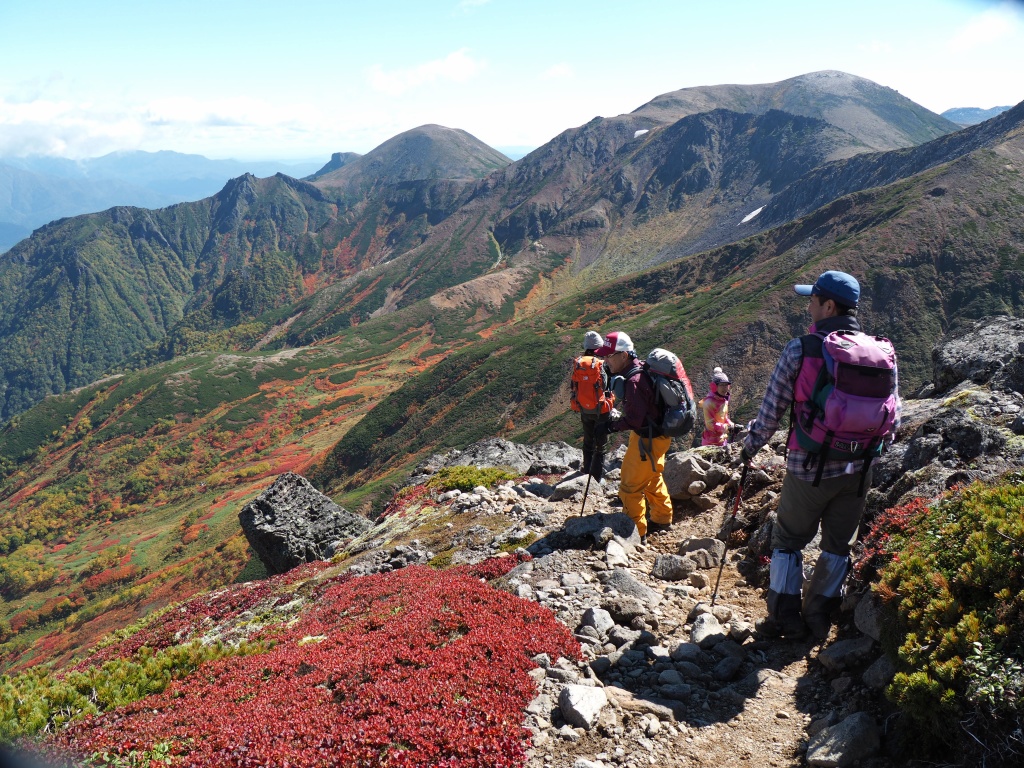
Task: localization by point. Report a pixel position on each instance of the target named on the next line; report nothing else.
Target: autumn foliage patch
(412, 668)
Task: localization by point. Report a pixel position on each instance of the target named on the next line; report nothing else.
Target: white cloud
(989, 26)
(456, 67)
(560, 71)
(223, 127)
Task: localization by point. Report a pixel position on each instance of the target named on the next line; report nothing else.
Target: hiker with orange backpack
(591, 397)
(841, 389)
(653, 418)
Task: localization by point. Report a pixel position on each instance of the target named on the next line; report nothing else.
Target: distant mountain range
(424, 211)
(36, 190)
(972, 115)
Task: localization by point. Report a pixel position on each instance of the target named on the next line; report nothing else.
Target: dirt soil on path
(761, 720)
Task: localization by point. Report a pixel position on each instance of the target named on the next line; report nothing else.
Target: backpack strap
(869, 456)
(822, 457)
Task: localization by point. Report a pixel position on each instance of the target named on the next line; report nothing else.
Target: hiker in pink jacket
(717, 425)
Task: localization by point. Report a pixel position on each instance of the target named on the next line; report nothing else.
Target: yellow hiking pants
(642, 484)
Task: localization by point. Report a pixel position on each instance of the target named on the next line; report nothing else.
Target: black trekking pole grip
(735, 509)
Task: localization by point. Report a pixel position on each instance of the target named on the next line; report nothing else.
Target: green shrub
(36, 700)
(467, 478)
(513, 544)
(954, 580)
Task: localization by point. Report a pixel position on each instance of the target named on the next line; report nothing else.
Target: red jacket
(640, 411)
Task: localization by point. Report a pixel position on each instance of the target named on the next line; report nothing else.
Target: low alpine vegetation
(952, 573)
(395, 669)
(465, 479)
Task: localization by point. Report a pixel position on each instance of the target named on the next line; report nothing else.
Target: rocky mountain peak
(425, 152)
(877, 116)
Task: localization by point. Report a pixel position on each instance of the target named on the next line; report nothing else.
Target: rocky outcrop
(963, 426)
(989, 351)
(292, 523)
(542, 459)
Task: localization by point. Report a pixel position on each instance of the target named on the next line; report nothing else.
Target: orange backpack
(587, 386)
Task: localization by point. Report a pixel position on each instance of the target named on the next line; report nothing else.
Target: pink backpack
(854, 400)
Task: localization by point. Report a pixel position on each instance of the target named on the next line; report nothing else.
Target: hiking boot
(643, 539)
(819, 624)
(792, 628)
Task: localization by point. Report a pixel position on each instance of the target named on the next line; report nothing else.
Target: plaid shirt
(778, 400)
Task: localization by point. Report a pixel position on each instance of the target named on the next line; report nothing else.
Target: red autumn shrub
(886, 536)
(492, 568)
(110, 577)
(413, 668)
(187, 621)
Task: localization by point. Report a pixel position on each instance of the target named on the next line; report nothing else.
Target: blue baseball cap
(838, 286)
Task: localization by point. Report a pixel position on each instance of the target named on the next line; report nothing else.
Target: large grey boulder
(599, 529)
(623, 582)
(706, 552)
(845, 743)
(292, 523)
(992, 350)
(682, 470)
(672, 567)
(951, 434)
(581, 705)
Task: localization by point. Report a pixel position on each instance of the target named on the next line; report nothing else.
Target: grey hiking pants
(834, 504)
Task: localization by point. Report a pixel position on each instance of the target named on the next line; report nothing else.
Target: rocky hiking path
(666, 678)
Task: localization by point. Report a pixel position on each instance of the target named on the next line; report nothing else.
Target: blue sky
(252, 79)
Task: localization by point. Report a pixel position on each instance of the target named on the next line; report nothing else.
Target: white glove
(615, 414)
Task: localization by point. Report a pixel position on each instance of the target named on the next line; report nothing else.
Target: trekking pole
(585, 492)
(735, 508)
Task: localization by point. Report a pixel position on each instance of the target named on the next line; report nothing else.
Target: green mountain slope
(83, 294)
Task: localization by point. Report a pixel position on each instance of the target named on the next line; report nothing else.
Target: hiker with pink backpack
(841, 389)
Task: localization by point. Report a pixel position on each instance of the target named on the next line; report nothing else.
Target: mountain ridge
(598, 197)
(876, 115)
(973, 115)
(37, 190)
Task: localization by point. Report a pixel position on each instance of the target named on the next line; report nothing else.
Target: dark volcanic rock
(292, 523)
(990, 350)
(952, 434)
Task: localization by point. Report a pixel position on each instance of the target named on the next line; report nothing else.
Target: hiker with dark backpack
(841, 389)
(590, 396)
(657, 405)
